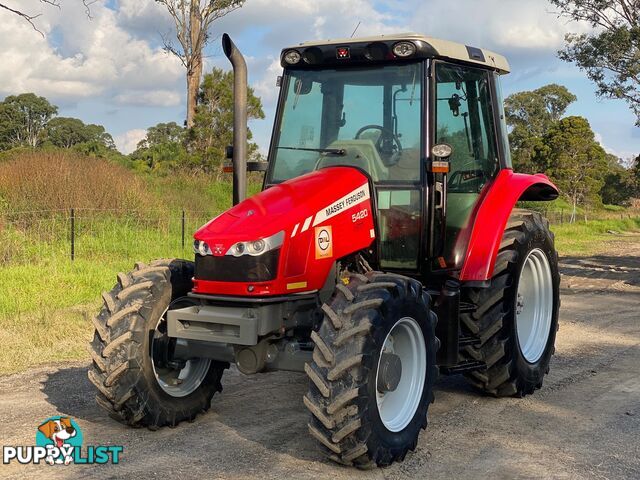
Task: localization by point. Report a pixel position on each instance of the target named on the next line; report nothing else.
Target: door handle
(440, 192)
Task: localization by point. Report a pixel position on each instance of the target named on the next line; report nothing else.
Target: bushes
(54, 180)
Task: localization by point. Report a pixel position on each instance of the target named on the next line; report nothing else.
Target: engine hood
(324, 216)
(281, 207)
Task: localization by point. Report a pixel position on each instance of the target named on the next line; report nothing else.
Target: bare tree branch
(29, 18)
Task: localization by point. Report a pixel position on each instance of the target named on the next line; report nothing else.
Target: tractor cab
(381, 104)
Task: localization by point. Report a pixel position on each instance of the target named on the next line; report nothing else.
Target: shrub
(54, 180)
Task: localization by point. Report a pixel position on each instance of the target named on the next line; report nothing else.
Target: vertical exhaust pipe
(239, 118)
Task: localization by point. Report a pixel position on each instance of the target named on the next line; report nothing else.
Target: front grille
(246, 268)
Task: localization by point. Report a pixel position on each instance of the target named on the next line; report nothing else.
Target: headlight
(257, 247)
(292, 57)
(404, 49)
(201, 248)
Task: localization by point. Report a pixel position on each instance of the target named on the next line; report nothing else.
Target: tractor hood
(307, 223)
(282, 207)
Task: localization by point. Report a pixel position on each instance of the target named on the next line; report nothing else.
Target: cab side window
(464, 120)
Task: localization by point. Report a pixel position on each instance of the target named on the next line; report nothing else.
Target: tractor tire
(123, 370)
(517, 357)
(343, 390)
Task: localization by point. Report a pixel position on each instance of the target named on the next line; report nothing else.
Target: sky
(110, 69)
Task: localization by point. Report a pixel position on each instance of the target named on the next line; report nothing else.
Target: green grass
(592, 237)
(47, 300)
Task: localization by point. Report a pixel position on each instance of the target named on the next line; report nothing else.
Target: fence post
(73, 234)
(182, 229)
(561, 216)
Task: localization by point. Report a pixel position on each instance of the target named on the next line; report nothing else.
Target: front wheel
(373, 369)
(137, 381)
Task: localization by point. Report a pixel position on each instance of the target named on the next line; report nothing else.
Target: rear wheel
(138, 383)
(516, 317)
(373, 369)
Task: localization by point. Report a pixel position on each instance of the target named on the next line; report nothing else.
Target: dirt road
(584, 423)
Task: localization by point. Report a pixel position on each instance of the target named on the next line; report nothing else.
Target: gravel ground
(583, 423)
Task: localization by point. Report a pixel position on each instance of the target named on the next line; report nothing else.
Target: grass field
(582, 239)
(47, 300)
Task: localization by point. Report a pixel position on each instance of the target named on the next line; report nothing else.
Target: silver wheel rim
(534, 305)
(183, 382)
(398, 407)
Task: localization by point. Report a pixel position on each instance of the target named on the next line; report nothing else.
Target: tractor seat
(407, 167)
(361, 153)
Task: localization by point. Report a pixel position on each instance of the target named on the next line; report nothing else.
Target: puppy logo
(60, 435)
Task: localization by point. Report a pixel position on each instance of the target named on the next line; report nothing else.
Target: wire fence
(560, 217)
(29, 237)
(96, 234)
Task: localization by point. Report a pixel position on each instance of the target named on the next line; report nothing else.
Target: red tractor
(384, 249)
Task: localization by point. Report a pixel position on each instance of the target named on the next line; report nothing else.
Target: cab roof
(427, 47)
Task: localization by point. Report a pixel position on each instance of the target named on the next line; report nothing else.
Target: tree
(619, 185)
(163, 133)
(610, 55)
(530, 114)
(536, 110)
(23, 118)
(163, 148)
(575, 160)
(67, 132)
(193, 19)
(635, 174)
(213, 127)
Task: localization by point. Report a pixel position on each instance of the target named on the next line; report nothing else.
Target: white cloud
(502, 25)
(626, 156)
(266, 88)
(152, 98)
(127, 141)
(145, 18)
(82, 58)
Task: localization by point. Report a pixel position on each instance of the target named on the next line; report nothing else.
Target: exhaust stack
(239, 118)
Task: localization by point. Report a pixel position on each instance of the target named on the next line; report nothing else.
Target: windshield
(365, 117)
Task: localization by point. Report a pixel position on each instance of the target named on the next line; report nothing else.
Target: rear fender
(493, 214)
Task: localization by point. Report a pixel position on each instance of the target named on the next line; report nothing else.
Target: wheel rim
(397, 408)
(534, 305)
(177, 382)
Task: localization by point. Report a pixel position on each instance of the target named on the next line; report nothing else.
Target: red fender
(492, 215)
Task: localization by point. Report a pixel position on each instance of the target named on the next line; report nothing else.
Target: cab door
(465, 118)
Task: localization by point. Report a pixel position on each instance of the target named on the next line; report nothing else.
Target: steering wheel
(388, 143)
